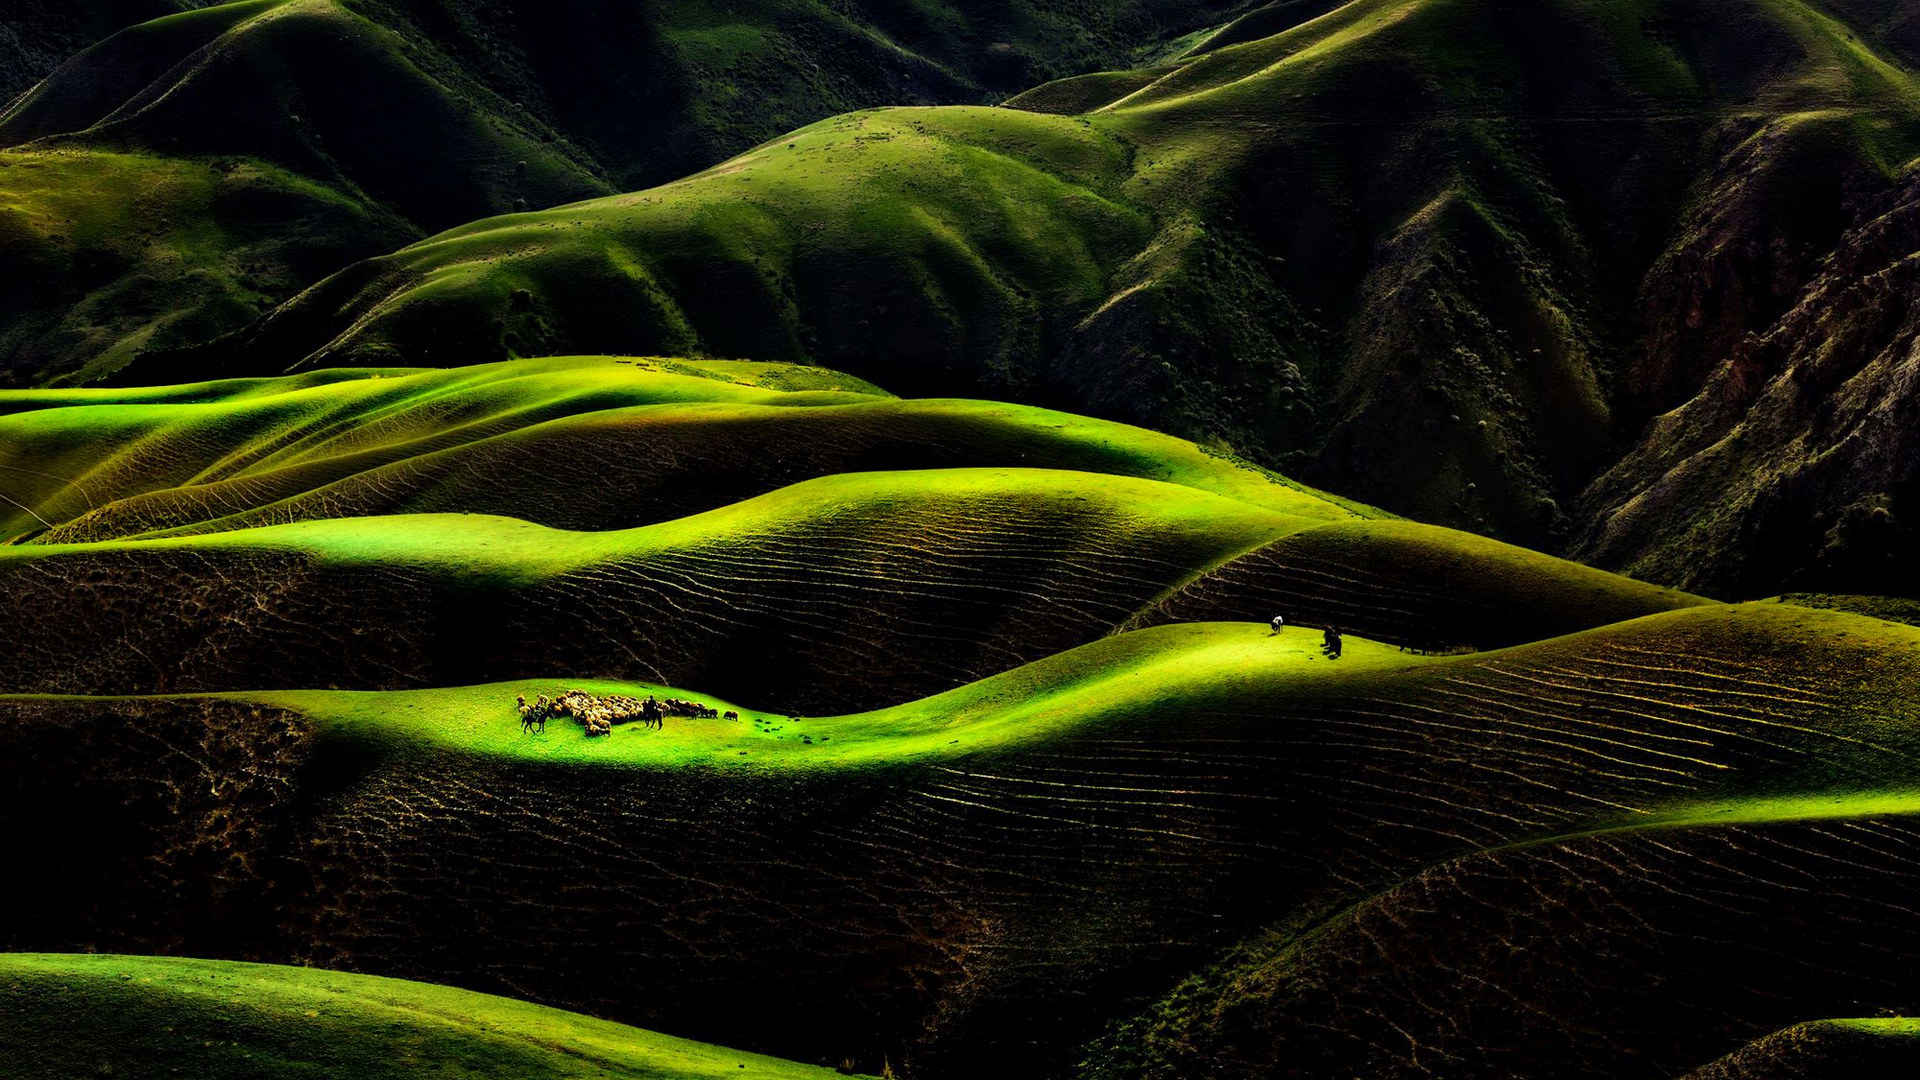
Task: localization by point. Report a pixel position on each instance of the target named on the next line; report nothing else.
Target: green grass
(973, 227)
(1787, 742)
(260, 80)
(1201, 745)
(528, 105)
(69, 1015)
(609, 487)
(1392, 242)
(1133, 683)
(1115, 682)
(110, 253)
(1855, 1046)
(273, 450)
(472, 548)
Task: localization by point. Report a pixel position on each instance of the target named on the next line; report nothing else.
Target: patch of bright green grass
(1140, 681)
(68, 1015)
(1883, 1025)
(1118, 680)
(64, 453)
(475, 547)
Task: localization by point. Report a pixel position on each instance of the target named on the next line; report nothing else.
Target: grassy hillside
(40, 34)
(652, 518)
(260, 78)
(1376, 244)
(112, 253)
(1016, 757)
(461, 110)
(901, 582)
(73, 1015)
(1584, 923)
(1381, 246)
(1882, 1046)
(1007, 774)
(1211, 781)
(571, 442)
(949, 241)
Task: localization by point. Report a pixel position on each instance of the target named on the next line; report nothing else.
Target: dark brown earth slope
(1796, 461)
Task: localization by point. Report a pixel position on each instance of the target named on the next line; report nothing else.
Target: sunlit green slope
(89, 1015)
(1443, 254)
(904, 582)
(580, 442)
(456, 110)
(954, 241)
(1865, 1046)
(654, 519)
(1664, 787)
(1730, 766)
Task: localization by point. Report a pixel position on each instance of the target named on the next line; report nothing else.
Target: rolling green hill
(109, 253)
(1449, 255)
(120, 1015)
(573, 442)
(261, 79)
(997, 841)
(651, 518)
(953, 456)
(453, 111)
(269, 691)
(1299, 231)
(1857, 1047)
(1018, 779)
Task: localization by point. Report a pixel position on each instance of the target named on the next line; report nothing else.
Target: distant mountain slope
(1449, 255)
(264, 79)
(104, 254)
(1797, 460)
(39, 35)
(432, 114)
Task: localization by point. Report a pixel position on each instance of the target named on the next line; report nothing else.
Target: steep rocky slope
(1796, 462)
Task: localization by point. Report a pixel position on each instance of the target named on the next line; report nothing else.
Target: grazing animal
(730, 715)
(532, 717)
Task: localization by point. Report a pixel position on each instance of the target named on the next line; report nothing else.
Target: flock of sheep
(598, 713)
